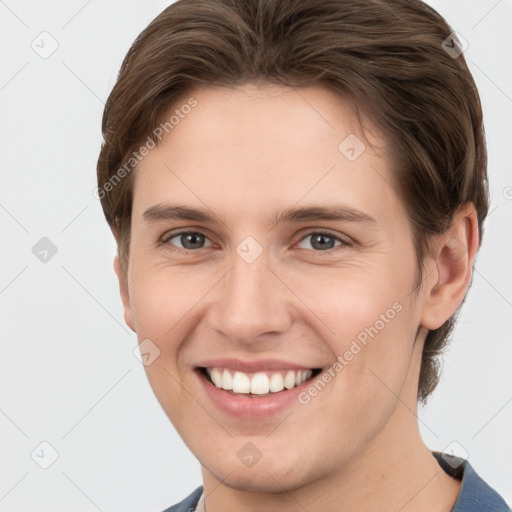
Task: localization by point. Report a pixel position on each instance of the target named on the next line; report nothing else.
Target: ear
(450, 275)
(123, 289)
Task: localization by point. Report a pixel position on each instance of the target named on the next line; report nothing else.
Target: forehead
(262, 111)
(255, 145)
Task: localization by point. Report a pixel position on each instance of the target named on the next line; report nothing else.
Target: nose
(251, 303)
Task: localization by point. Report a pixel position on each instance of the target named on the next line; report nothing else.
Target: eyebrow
(165, 211)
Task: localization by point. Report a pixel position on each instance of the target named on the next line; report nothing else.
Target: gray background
(68, 376)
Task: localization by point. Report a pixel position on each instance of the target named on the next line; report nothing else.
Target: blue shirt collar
(475, 495)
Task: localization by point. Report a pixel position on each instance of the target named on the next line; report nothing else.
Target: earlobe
(455, 252)
(125, 297)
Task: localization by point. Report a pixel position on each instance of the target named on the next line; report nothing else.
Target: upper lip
(240, 365)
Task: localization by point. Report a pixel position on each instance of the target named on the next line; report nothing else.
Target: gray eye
(321, 241)
(189, 240)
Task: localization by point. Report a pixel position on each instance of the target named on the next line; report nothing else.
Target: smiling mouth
(260, 384)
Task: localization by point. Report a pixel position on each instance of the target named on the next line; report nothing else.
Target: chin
(275, 475)
(262, 480)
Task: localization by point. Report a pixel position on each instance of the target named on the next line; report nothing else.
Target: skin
(247, 153)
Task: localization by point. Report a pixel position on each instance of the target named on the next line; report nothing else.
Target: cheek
(160, 306)
(167, 304)
(368, 318)
(376, 359)
(165, 299)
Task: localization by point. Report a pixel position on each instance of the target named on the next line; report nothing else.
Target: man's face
(275, 299)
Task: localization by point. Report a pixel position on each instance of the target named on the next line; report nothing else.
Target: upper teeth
(259, 383)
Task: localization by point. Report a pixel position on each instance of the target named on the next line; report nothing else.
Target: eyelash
(166, 240)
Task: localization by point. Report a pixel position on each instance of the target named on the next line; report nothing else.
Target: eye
(189, 240)
(323, 241)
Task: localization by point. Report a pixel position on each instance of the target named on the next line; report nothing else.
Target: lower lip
(251, 406)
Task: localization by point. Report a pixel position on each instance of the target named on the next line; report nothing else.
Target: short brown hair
(389, 59)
